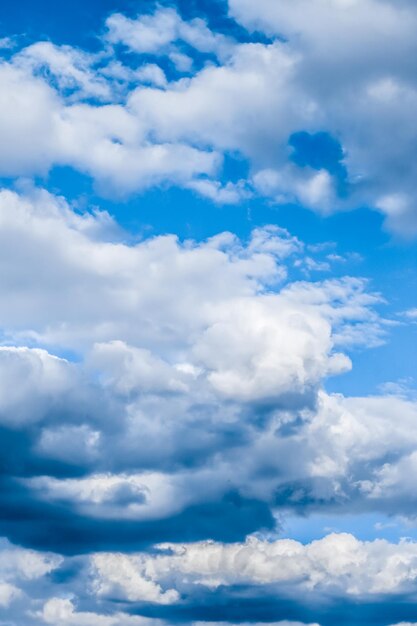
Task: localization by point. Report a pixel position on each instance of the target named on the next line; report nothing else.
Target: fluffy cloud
(119, 576)
(70, 68)
(253, 101)
(155, 32)
(145, 496)
(360, 430)
(46, 382)
(104, 285)
(171, 393)
(28, 132)
(25, 564)
(8, 593)
(164, 404)
(336, 564)
(106, 142)
(364, 93)
(18, 567)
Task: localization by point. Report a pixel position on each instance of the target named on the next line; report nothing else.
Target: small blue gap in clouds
(320, 151)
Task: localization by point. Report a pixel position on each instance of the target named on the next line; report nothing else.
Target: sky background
(208, 321)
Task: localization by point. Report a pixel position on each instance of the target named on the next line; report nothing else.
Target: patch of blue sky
(76, 23)
(364, 526)
(320, 151)
(79, 23)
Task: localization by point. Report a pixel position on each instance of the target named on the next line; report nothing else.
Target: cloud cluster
(139, 437)
(325, 79)
(18, 567)
(164, 403)
(336, 564)
(155, 34)
(169, 393)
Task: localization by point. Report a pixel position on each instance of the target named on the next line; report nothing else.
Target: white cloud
(411, 314)
(106, 142)
(350, 434)
(393, 481)
(96, 288)
(21, 564)
(313, 189)
(18, 565)
(71, 68)
(31, 382)
(152, 74)
(201, 365)
(146, 496)
(128, 369)
(7, 43)
(155, 32)
(336, 564)
(28, 113)
(182, 62)
(232, 106)
(285, 350)
(249, 103)
(149, 33)
(231, 193)
(70, 443)
(8, 593)
(123, 576)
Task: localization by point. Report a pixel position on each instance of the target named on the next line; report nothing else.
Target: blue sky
(208, 226)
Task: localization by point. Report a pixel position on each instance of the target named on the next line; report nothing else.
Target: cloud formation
(166, 404)
(190, 95)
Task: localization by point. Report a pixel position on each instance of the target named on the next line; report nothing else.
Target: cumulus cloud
(143, 280)
(70, 68)
(29, 129)
(43, 378)
(153, 33)
(336, 564)
(363, 427)
(25, 564)
(165, 402)
(18, 567)
(252, 102)
(145, 496)
(106, 142)
(128, 369)
(8, 593)
(170, 393)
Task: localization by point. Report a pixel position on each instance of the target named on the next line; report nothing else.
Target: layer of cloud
(336, 564)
